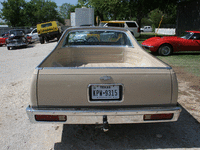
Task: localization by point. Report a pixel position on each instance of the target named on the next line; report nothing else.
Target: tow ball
(105, 123)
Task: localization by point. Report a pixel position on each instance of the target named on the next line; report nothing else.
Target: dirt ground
(17, 133)
(189, 92)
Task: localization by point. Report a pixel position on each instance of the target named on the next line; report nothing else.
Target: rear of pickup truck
(103, 85)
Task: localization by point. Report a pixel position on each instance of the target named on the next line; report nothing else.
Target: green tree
(12, 12)
(72, 9)
(155, 17)
(21, 13)
(43, 11)
(64, 10)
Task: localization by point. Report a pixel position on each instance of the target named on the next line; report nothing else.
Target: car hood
(153, 40)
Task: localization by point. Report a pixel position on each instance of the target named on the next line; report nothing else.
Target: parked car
(16, 38)
(130, 25)
(33, 36)
(6, 33)
(146, 29)
(166, 45)
(111, 80)
(3, 39)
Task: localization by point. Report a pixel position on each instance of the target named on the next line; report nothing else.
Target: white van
(131, 25)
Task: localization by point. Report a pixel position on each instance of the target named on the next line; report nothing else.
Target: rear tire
(165, 50)
(8, 48)
(47, 40)
(58, 37)
(42, 40)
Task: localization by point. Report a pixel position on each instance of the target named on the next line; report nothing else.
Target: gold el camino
(101, 75)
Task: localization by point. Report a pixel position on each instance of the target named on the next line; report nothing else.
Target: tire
(47, 40)
(8, 48)
(42, 40)
(58, 37)
(165, 50)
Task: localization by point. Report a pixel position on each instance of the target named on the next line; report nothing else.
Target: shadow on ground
(182, 134)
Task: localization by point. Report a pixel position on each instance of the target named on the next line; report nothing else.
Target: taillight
(50, 118)
(158, 116)
(138, 29)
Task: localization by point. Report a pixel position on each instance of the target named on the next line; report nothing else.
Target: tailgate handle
(105, 78)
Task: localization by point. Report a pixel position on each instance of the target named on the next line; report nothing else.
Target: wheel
(165, 50)
(42, 40)
(47, 40)
(58, 37)
(8, 48)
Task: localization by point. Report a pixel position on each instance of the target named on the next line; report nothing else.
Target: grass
(189, 61)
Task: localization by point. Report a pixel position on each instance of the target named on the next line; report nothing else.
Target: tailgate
(77, 87)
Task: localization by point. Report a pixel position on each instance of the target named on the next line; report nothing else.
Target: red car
(168, 44)
(3, 40)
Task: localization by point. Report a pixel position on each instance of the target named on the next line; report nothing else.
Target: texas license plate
(105, 92)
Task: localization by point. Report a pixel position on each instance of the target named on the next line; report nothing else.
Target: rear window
(115, 24)
(131, 24)
(17, 32)
(112, 38)
(46, 25)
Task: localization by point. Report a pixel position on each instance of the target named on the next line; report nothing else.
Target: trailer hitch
(105, 123)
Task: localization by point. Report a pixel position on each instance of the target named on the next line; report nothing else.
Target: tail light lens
(59, 118)
(158, 116)
(138, 29)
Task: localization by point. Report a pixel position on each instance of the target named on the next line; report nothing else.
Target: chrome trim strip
(107, 68)
(95, 116)
(147, 46)
(113, 101)
(100, 46)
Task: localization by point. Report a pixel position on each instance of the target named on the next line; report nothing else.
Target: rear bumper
(95, 116)
(48, 34)
(150, 48)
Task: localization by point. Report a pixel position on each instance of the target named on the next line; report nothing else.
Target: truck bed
(100, 57)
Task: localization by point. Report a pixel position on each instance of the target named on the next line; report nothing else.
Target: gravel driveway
(17, 133)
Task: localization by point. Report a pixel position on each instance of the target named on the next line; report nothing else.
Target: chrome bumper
(146, 47)
(95, 116)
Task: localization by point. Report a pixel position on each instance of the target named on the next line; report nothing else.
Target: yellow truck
(49, 31)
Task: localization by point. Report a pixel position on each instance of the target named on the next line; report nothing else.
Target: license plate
(105, 92)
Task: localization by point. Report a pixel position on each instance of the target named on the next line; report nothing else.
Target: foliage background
(145, 12)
